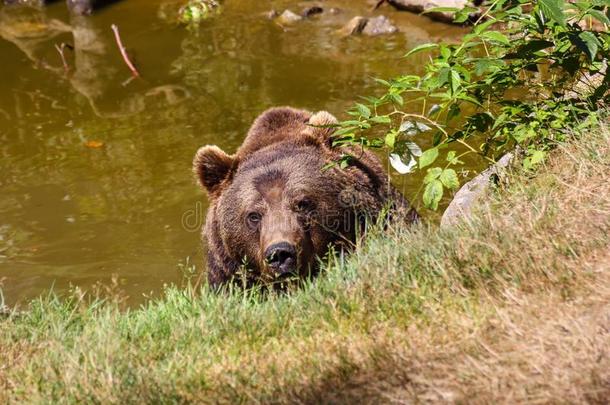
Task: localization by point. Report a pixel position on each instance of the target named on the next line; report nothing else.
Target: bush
(540, 51)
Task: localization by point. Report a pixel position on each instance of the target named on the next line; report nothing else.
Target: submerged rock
(419, 6)
(288, 18)
(354, 26)
(271, 14)
(368, 26)
(379, 26)
(309, 11)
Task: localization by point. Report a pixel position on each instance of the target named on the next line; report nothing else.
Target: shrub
(528, 74)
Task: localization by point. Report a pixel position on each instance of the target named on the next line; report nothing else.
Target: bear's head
(275, 207)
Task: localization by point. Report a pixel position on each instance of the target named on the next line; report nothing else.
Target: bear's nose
(281, 257)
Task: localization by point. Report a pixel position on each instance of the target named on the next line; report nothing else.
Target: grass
(510, 306)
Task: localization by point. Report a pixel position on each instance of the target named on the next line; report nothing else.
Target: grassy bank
(511, 306)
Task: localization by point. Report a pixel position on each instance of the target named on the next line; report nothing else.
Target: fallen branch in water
(130, 65)
(60, 48)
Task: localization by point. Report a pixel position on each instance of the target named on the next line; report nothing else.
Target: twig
(130, 65)
(60, 49)
(379, 3)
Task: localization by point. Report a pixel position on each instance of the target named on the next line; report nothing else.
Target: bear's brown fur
(274, 208)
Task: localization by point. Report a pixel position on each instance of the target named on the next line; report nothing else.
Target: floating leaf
(93, 144)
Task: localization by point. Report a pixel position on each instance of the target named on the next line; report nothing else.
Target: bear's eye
(253, 219)
(305, 205)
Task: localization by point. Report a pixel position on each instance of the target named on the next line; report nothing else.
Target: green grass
(412, 315)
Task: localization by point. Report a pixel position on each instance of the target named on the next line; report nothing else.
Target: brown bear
(276, 205)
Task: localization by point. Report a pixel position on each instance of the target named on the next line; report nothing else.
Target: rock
(465, 199)
(419, 6)
(309, 11)
(369, 26)
(271, 14)
(354, 26)
(379, 26)
(288, 18)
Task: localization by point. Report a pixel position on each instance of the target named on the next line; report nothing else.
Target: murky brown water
(95, 170)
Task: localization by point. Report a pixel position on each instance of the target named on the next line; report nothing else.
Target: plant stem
(130, 65)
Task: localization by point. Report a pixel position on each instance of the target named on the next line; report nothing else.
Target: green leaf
(382, 82)
(553, 9)
(432, 174)
(599, 16)
(396, 98)
(441, 10)
(433, 194)
(363, 110)
(449, 179)
(452, 158)
(437, 138)
(464, 14)
(428, 157)
(496, 36)
(421, 48)
(454, 81)
(589, 44)
(483, 26)
(390, 139)
(350, 123)
(533, 159)
(537, 157)
(381, 119)
(343, 131)
(527, 50)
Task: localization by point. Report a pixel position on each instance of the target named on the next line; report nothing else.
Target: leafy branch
(512, 81)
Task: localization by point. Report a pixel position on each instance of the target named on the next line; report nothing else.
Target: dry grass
(513, 306)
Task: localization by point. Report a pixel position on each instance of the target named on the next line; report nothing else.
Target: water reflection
(75, 214)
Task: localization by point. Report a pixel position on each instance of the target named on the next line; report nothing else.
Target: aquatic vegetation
(196, 11)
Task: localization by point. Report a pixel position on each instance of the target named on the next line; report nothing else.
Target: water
(95, 168)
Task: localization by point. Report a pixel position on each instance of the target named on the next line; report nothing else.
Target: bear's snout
(281, 258)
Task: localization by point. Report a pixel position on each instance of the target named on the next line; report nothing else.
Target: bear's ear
(212, 166)
(321, 126)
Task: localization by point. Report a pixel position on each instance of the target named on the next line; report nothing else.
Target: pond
(95, 167)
